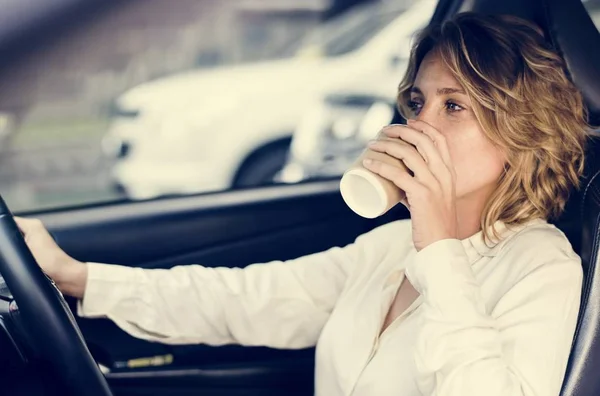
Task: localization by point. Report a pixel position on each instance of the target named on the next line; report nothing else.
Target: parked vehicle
(231, 126)
(335, 131)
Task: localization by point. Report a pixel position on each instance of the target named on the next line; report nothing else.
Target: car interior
(241, 227)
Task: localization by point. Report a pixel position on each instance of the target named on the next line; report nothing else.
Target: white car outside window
(231, 126)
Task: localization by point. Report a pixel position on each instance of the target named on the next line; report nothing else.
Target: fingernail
(372, 143)
(367, 161)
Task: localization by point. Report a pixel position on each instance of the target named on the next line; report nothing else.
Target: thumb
(30, 227)
(27, 224)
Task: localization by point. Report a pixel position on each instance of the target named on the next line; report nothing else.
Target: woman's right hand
(69, 274)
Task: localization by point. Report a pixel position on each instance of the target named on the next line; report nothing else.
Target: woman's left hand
(430, 193)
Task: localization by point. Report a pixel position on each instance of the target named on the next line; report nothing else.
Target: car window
(146, 99)
(593, 7)
(356, 37)
(350, 30)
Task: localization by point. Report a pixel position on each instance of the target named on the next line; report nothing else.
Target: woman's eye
(414, 106)
(453, 107)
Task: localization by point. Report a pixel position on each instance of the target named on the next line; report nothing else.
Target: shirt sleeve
(277, 304)
(520, 347)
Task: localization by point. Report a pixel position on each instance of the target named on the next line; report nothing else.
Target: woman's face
(438, 99)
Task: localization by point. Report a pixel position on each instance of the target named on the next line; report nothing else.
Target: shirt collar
(475, 246)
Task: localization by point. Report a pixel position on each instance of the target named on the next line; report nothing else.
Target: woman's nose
(428, 115)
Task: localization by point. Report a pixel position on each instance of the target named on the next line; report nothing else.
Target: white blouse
(490, 320)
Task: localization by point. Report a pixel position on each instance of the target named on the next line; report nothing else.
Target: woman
(476, 295)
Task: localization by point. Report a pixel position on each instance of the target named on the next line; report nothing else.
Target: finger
(392, 127)
(402, 180)
(422, 142)
(441, 168)
(408, 155)
(27, 225)
(438, 139)
(425, 145)
(393, 130)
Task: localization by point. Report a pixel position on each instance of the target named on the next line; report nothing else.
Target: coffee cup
(366, 193)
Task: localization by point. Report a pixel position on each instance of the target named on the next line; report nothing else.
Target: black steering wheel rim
(45, 316)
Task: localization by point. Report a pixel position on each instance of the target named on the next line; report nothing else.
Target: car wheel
(262, 167)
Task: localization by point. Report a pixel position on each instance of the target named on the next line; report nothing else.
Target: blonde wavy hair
(525, 103)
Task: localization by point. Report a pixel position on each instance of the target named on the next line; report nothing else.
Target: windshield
(357, 34)
(349, 31)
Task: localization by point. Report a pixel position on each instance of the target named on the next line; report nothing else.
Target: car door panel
(291, 376)
(156, 232)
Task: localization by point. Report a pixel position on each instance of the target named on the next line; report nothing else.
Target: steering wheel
(43, 314)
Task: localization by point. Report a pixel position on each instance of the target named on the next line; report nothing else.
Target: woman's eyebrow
(440, 91)
(415, 90)
(448, 91)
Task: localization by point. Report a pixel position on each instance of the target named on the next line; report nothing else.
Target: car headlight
(352, 123)
(343, 128)
(379, 114)
(361, 124)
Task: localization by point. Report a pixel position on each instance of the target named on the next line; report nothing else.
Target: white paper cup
(366, 193)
